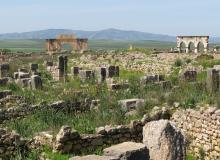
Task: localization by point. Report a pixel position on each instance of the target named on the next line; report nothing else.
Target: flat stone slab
(128, 151)
(92, 157)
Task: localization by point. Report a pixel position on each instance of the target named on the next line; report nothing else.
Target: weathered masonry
(55, 45)
(192, 44)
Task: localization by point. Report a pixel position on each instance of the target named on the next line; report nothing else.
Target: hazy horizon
(170, 17)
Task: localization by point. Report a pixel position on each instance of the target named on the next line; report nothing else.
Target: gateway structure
(55, 45)
(192, 44)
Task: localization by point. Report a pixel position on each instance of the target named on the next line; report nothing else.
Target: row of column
(195, 50)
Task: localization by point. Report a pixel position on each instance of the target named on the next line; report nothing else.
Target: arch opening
(191, 47)
(182, 47)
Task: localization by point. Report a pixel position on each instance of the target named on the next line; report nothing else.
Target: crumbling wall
(202, 129)
(70, 141)
(10, 143)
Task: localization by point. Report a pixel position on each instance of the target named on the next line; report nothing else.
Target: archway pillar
(206, 47)
(187, 49)
(196, 50)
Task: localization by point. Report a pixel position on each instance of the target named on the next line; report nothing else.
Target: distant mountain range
(108, 34)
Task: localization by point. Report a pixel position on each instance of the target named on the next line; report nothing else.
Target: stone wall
(70, 141)
(202, 129)
(10, 143)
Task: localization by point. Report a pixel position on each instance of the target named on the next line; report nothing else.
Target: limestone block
(128, 151)
(164, 141)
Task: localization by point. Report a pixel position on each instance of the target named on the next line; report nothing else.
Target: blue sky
(173, 17)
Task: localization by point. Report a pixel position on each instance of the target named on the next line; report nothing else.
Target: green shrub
(178, 63)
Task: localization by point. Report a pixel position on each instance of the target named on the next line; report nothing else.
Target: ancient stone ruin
(131, 104)
(192, 44)
(189, 75)
(10, 143)
(213, 81)
(202, 128)
(157, 80)
(58, 71)
(24, 79)
(55, 45)
(161, 141)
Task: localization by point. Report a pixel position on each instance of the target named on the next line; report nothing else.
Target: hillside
(108, 34)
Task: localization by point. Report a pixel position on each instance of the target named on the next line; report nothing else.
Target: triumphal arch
(193, 44)
(55, 45)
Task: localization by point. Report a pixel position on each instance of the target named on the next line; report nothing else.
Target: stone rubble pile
(10, 143)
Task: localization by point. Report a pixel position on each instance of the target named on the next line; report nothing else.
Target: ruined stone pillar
(36, 82)
(4, 70)
(212, 82)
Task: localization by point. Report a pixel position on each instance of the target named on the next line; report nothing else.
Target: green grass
(39, 45)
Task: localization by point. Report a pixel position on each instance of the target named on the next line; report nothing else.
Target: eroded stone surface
(164, 141)
(128, 151)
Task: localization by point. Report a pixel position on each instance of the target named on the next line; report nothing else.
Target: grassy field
(39, 45)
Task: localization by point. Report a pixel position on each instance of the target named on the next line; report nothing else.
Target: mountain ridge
(106, 34)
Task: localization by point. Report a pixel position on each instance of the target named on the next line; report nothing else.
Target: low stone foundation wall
(202, 129)
(70, 141)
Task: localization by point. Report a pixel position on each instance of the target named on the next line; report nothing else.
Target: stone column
(36, 82)
(212, 81)
(206, 46)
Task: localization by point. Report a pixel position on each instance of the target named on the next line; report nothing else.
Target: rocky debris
(133, 61)
(43, 138)
(93, 157)
(11, 101)
(10, 143)
(4, 81)
(164, 141)
(5, 93)
(128, 151)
